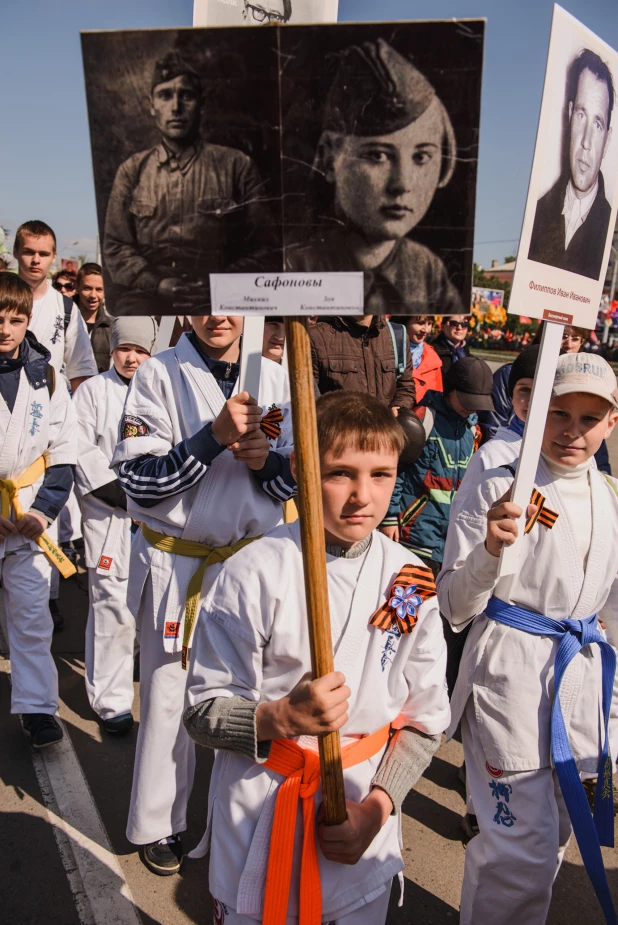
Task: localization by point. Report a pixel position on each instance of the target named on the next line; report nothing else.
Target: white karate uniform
(110, 630)
(504, 691)
(253, 640)
(38, 425)
(71, 356)
(71, 351)
(174, 395)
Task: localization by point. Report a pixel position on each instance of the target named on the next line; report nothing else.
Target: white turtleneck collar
(567, 472)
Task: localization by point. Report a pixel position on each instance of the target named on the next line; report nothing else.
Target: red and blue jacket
(424, 491)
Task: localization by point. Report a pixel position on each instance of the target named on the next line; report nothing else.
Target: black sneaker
(118, 725)
(469, 827)
(42, 729)
(56, 617)
(163, 857)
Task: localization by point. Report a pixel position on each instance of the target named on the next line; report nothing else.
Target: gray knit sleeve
(408, 755)
(227, 723)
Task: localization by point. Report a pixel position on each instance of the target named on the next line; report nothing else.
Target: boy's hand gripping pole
(314, 553)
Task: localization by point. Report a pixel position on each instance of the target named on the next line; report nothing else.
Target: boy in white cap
(535, 668)
(110, 631)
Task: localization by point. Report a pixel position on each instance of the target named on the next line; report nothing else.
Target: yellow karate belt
(9, 496)
(193, 550)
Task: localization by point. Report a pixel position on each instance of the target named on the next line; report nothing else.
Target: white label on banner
(287, 293)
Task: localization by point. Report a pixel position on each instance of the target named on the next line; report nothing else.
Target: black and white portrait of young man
(572, 218)
(182, 151)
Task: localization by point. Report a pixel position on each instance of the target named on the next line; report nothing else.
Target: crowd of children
(182, 484)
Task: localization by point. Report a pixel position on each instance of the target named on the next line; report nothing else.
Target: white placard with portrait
(572, 198)
(263, 12)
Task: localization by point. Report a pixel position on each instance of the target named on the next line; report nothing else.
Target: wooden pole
(314, 552)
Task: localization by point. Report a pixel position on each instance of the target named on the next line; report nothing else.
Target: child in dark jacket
(420, 506)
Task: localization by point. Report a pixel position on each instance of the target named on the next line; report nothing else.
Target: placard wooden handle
(314, 553)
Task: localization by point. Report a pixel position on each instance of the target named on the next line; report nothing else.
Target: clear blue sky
(45, 168)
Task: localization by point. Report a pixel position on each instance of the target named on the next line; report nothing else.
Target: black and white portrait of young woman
(393, 166)
(572, 218)
(360, 154)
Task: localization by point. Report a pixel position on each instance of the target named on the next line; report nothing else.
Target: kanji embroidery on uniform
(58, 326)
(390, 647)
(501, 793)
(132, 426)
(36, 413)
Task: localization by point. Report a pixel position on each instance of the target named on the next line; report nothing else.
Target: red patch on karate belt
(495, 772)
(172, 630)
(412, 587)
(271, 422)
(105, 562)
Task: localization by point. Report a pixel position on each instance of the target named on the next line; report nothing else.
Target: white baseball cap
(584, 372)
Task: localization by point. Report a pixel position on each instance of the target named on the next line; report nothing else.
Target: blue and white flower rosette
(405, 602)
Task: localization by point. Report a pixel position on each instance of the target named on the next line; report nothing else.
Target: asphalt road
(65, 859)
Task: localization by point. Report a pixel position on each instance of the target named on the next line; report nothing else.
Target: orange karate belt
(301, 767)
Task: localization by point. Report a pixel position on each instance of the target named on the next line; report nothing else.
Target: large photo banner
(572, 199)
(263, 12)
(313, 149)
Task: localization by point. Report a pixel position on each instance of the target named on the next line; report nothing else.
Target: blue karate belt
(590, 831)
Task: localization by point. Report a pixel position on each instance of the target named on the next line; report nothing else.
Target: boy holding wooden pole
(252, 698)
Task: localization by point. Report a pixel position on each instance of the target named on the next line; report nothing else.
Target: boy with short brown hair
(56, 321)
(38, 436)
(252, 698)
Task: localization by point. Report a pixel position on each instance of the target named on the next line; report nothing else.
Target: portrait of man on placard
(180, 191)
(269, 11)
(263, 12)
(572, 219)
